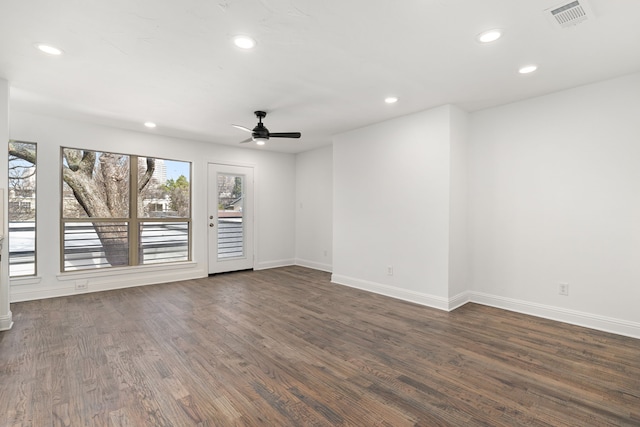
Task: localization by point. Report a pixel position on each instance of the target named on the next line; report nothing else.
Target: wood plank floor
(285, 347)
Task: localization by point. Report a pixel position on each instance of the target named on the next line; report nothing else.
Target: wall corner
(5, 313)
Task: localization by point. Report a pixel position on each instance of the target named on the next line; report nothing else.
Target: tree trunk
(103, 192)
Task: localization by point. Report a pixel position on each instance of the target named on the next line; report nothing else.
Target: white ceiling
(320, 67)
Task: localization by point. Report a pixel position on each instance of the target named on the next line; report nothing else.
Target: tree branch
(21, 151)
(144, 179)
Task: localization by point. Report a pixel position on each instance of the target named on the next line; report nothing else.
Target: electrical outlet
(563, 289)
(390, 270)
(82, 285)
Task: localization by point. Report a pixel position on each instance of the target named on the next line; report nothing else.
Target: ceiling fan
(260, 134)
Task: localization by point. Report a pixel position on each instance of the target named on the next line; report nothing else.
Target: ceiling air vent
(569, 14)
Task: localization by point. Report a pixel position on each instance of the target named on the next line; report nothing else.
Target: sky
(175, 169)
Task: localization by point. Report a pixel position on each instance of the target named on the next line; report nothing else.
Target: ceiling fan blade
(241, 128)
(246, 140)
(285, 135)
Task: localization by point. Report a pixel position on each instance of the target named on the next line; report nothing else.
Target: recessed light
(51, 50)
(528, 69)
(244, 42)
(391, 99)
(150, 125)
(489, 36)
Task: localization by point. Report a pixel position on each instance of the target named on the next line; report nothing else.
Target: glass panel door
(230, 218)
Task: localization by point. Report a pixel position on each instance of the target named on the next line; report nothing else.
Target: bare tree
(22, 189)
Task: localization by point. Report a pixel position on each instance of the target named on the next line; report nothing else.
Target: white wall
(5, 312)
(555, 197)
(459, 280)
(391, 207)
(314, 208)
(275, 194)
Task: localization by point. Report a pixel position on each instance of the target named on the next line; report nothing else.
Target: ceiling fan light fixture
(260, 141)
(150, 125)
(391, 99)
(244, 42)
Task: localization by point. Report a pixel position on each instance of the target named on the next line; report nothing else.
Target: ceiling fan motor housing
(260, 131)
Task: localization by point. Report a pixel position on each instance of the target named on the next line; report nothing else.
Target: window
(22, 208)
(123, 210)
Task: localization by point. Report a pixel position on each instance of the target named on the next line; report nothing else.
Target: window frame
(35, 219)
(134, 220)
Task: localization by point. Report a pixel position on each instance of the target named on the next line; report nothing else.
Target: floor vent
(569, 14)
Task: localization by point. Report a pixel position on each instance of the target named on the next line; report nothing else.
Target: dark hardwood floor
(285, 347)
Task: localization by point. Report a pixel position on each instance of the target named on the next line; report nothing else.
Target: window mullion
(134, 236)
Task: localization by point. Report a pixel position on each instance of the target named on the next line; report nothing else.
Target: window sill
(117, 271)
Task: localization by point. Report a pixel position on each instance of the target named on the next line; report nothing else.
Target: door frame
(212, 192)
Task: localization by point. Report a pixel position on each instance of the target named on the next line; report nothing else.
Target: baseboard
(33, 290)
(264, 265)
(21, 293)
(574, 317)
(314, 265)
(391, 291)
(459, 300)
(6, 322)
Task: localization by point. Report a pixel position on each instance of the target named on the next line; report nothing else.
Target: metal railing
(230, 238)
(160, 242)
